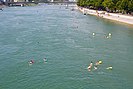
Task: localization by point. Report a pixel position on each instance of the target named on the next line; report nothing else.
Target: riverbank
(106, 15)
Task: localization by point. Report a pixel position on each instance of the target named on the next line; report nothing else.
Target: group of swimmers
(96, 65)
(107, 36)
(32, 61)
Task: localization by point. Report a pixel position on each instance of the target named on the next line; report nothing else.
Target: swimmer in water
(109, 68)
(96, 64)
(31, 61)
(90, 66)
(93, 34)
(110, 34)
(45, 60)
(95, 67)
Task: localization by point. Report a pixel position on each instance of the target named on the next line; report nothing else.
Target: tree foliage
(111, 5)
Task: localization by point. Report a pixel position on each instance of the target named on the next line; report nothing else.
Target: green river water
(65, 39)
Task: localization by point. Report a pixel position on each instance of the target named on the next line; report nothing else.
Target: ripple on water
(66, 40)
(7, 49)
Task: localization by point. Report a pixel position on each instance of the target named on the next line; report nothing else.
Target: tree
(115, 1)
(118, 5)
(130, 5)
(108, 4)
(124, 4)
(81, 2)
(98, 4)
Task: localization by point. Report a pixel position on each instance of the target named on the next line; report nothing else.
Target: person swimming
(95, 67)
(93, 34)
(45, 60)
(31, 62)
(96, 64)
(110, 34)
(109, 68)
(90, 66)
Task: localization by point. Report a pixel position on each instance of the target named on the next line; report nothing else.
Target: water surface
(65, 38)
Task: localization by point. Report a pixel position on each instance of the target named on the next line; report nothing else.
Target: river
(65, 38)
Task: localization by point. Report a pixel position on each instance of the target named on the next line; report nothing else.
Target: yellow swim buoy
(100, 62)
